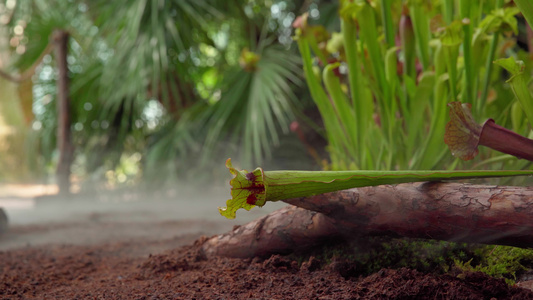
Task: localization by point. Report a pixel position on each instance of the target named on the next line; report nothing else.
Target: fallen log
(432, 210)
(282, 231)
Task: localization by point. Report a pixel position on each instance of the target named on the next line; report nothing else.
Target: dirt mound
(113, 271)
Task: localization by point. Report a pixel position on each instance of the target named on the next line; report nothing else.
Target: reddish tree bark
(282, 231)
(64, 143)
(443, 211)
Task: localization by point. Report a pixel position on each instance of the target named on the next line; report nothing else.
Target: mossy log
(444, 211)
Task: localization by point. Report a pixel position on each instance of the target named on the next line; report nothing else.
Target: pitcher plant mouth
(248, 189)
(255, 188)
(463, 135)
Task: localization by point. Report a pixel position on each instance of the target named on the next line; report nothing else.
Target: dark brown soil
(118, 271)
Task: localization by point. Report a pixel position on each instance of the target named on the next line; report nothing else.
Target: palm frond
(153, 40)
(125, 56)
(256, 105)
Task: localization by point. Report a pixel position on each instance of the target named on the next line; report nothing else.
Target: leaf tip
(225, 212)
(229, 165)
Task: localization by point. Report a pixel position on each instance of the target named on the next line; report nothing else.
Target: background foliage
(161, 85)
(383, 80)
(168, 88)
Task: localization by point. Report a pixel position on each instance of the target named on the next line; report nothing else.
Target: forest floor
(141, 247)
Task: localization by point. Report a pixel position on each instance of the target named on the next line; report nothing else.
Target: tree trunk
(443, 211)
(3, 221)
(64, 144)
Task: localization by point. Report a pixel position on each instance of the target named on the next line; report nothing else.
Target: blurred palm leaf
(152, 42)
(137, 56)
(151, 59)
(167, 147)
(124, 57)
(39, 20)
(257, 104)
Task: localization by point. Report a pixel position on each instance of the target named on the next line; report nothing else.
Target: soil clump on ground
(123, 270)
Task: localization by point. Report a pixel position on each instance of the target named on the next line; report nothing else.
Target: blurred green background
(167, 90)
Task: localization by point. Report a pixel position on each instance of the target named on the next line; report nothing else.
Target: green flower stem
(468, 90)
(391, 74)
(488, 71)
(422, 34)
(368, 34)
(249, 189)
(363, 106)
(342, 107)
(416, 110)
(452, 53)
(434, 145)
(386, 8)
(389, 113)
(448, 11)
(407, 37)
(440, 61)
(333, 129)
(517, 116)
(488, 67)
(355, 76)
(451, 41)
(314, 46)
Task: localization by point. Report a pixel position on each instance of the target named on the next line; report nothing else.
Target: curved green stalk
(386, 15)
(488, 66)
(488, 71)
(433, 146)
(467, 51)
(448, 11)
(451, 54)
(333, 130)
(363, 105)
(343, 110)
(422, 34)
(368, 34)
(249, 189)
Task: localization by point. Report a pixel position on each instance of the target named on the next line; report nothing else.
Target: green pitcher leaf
(510, 64)
(502, 19)
(249, 189)
(453, 34)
